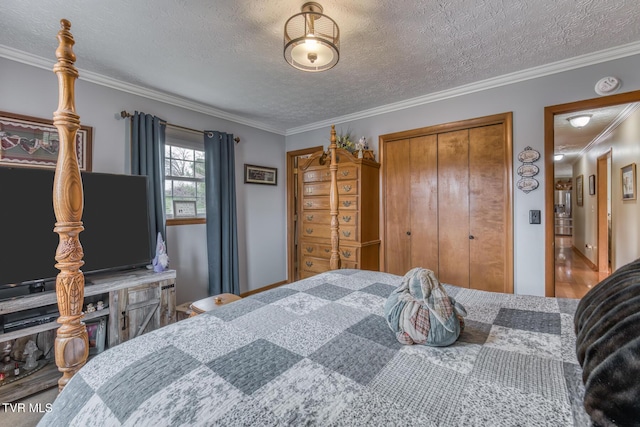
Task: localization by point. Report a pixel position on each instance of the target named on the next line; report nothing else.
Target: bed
(320, 352)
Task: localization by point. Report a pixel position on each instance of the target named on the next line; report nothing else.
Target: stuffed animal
(161, 260)
(419, 311)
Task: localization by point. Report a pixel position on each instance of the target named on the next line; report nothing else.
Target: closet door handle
(408, 233)
(471, 237)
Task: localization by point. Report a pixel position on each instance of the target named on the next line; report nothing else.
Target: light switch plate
(534, 217)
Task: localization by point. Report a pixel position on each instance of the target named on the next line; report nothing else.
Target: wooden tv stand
(139, 301)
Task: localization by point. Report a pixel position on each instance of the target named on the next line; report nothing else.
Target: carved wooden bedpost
(71, 345)
(334, 261)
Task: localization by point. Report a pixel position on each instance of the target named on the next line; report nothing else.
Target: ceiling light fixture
(579, 121)
(558, 157)
(311, 40)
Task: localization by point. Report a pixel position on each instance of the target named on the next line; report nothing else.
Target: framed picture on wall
(579, 190)
(260, 175)
(30, 141)
(628, 176)
(592, 185)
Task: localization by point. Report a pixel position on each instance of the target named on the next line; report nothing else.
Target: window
(184, 175)
(184, 178)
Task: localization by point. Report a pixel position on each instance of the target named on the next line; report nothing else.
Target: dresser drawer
(348, 187)
(316, 250)
(345, 203)
(322, 188)
(348, 203)
(348, 254)
(316, 175)
(347, 172)
(348, 232)
(346, 218)
(324, 251)
(324, 174)
(320, 265)
(322, 231)
(315, 265)
(316, 218)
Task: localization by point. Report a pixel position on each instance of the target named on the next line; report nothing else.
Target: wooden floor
(574, 278)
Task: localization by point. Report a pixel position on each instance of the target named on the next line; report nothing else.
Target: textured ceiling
(227, 54)
(572, 141)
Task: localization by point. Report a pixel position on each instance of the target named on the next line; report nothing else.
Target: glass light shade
(558, 157)
(579, 121)
(311, 40)
(312, 54)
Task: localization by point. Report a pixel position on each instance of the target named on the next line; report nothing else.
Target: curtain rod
(125, 114)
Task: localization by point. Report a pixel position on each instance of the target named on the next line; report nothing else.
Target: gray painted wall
(526, 100)
(261, 209)
(33, 91)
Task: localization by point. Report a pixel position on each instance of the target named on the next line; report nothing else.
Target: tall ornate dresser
(358, 216)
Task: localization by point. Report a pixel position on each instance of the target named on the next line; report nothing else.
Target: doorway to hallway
(597, 217)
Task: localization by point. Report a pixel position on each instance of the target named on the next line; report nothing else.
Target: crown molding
(606, 132)
(26, 58)
(506, 79)
(99, 79)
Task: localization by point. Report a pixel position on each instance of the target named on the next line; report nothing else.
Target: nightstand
(183, 311)
(211, 303)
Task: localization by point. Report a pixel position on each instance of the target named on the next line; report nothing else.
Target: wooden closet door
(488, 191)
(453, 207)
(459, 203)
(397, 207)
(423, 160)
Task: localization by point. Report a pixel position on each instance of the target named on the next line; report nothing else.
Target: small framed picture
(628, 176)
(592, 185)
(579, 190)
(96, 332)
(260, 175)
(184, 209)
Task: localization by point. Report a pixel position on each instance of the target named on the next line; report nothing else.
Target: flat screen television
(115, 218)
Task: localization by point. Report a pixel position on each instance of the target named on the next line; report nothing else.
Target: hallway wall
(624, 143)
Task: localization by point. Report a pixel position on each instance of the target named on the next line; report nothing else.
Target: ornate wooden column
(71, 345)
(334, 261)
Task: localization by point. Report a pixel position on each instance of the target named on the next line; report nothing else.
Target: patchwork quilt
(319, 352)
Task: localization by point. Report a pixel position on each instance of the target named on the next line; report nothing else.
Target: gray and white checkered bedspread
(318, 352)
